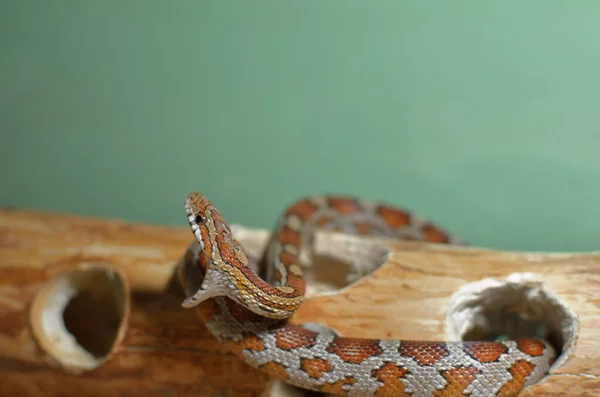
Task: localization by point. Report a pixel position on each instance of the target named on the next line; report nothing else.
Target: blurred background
(481, 116)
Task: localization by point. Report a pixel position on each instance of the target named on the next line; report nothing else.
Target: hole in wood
(336, 260)
(339, 260)
(519, 306)
(77, 317)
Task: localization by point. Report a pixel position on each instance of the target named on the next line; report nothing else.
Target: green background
(483, 116)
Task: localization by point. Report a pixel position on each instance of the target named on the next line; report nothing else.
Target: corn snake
(249, 314)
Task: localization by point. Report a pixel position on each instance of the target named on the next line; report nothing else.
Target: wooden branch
(111, 283)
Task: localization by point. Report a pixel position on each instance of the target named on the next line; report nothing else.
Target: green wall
(484, 116)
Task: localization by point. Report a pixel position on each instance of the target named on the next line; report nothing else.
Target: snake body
(249, 314)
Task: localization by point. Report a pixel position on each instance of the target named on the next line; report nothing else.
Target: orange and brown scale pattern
(364, 367)
(322, 361)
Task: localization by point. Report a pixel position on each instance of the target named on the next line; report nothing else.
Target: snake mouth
(191, 215)
(198, 235)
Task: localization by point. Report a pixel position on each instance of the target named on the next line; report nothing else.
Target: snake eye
(199, 219)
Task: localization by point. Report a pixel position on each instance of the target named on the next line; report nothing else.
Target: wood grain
(166, 351)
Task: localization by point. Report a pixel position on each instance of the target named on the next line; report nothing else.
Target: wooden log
(160, 350)
(91, 307)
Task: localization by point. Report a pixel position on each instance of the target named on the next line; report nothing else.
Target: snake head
(213, 236)
(225, 266)
(197, 209)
